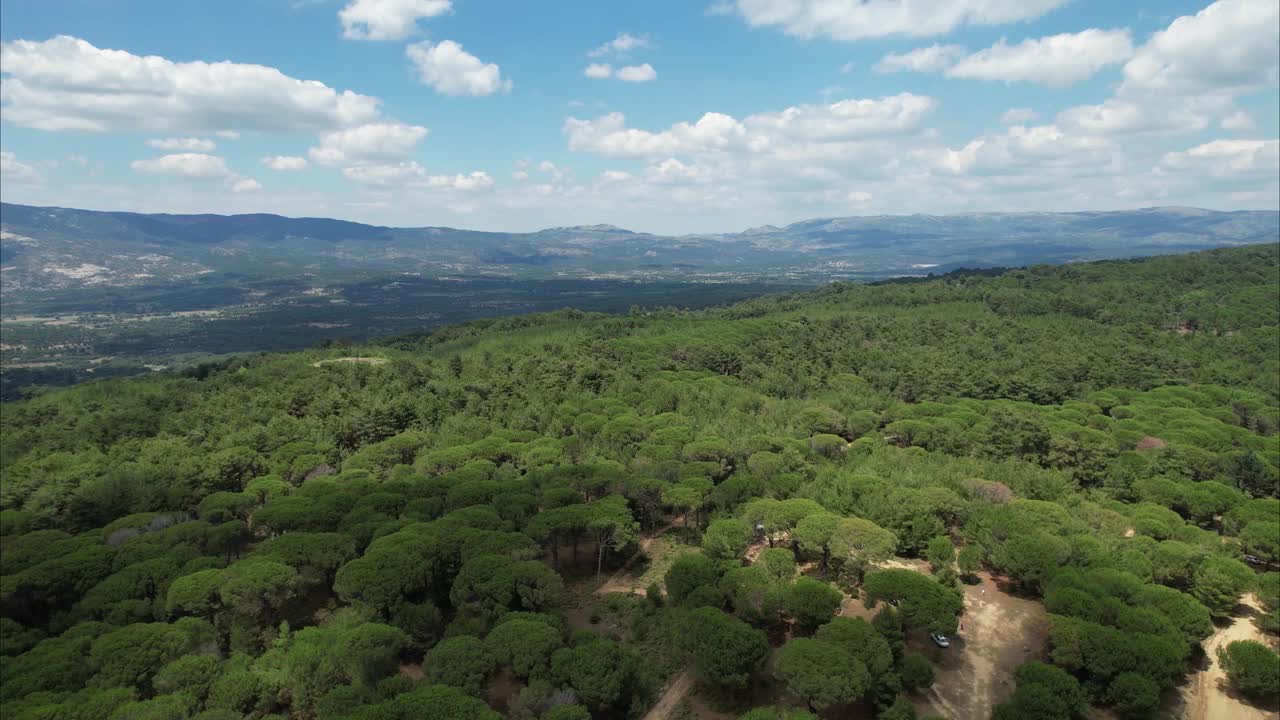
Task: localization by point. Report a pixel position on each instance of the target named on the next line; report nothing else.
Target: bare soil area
(998, 633)
(671, 697)
(1207, 694)
(649, 563)
(364, 360)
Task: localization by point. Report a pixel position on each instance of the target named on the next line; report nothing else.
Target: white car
(940, 640)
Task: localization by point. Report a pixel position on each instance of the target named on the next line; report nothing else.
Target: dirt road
(1207, 696)
(623, 581)
(671, 697)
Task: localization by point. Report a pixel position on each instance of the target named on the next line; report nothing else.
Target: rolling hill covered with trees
(418, 527)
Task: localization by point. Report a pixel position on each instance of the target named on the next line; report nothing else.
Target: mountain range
(49, 248)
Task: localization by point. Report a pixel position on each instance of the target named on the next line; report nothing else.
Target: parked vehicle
(940, 640)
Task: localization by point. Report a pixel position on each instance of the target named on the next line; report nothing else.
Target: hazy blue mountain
(44, 249)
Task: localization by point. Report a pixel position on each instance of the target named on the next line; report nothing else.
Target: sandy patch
(1207, 694)
(998, 633)
(358, 360)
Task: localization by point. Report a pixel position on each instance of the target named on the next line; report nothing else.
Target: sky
(661, 116)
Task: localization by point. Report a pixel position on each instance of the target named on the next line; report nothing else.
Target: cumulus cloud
(1117, 116)
(1238, 120)
(858, 197)
(844, 120)
(1231, 44)
(637, 73)
(244, 185)
(859, 19)
(1241, 159)
(1190, 73)
(188, 144)
(387, 19)
(68, 84)
(934, 58)
(384, 174)
(285, 162)
(367, 144)
(450, 70)
(1043, 147)
(550, 168)
(14, 171)
(189, 165)
(620, 45)
(1056, 60)
(410, 175)
(630, 73)
(615, 176)
(465, 183)
(1018, 116)
(228, 134)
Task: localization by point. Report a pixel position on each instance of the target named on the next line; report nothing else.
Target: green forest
(786, 506)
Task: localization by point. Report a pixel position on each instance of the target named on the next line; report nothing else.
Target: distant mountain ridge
(49, 248)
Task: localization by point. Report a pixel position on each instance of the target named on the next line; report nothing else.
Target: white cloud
(519, 175)
(934, 58)
(367, 144)
(550, 168)
(244, 185)
(1238, 120)
(1189, 74)
(14, 171)
(673, 172)
(228, 134)
(188, 144)
(409, 174)
(1021, 149)
(451, 70)
(285, 162)
(1056, 60)
(631, 73)
(1116, 116)
(615, 175)
(858, 197)
(1228, 159)
(384, 174)
(848, 67)
(68, 84)
(763, 132)
(465, 183)
(1018, 116)
(1231, 44)
(637, 73)
(387, 19)
(189, 165)
(859, 19)
(621, 45)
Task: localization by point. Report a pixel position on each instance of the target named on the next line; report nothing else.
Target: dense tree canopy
(275, 536)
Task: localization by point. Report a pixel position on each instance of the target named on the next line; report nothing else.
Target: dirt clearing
(358, 360)
(999, 632)
(1207, 696)
(649, 564)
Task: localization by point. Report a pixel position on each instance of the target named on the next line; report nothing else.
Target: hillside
(47, 249)
(89, 295)
(771, 504)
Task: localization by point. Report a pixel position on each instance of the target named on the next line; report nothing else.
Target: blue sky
(661, 116)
